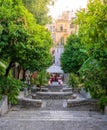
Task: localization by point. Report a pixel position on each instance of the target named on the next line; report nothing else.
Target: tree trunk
(19, 69)
(24, 77)
(8, 68)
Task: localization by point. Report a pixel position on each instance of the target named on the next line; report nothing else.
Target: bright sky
(66, 5)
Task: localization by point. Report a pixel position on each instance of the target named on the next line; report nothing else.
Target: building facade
(60, 29)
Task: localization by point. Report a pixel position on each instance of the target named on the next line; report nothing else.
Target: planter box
(3, 105)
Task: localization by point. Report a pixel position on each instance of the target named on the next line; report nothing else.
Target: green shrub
(103, 102)
(94, 77)
(73, 81)
(41, 79)
(10, 87)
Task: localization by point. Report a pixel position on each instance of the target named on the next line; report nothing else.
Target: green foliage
(10, 87)
(74, 55)
(92, 26)
(92, 32)
(22, 41)
(41, 79)
(20, 35)
(103, 102)
(39, 8)
(2, 68)
(35, 55)
(73, 81)
(93, 76)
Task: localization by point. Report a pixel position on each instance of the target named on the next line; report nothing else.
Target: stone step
(53, 95)
(53, 120)
(54, 115)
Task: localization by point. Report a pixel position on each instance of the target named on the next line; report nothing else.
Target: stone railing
(83, 104)
(53, 95)
(3, 105)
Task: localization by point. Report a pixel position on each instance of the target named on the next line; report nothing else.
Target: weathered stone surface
(3, 105)
(55, 88)
(27, 102)
(35, 89)
(85, 104)
(52, 95)
(67, 89)
(53, 120)
(52, 117)
(44, 90)
(105, 112)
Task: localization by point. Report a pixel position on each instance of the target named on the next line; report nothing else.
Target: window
(61, 28)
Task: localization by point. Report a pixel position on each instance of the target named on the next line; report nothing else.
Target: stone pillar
(25, 92)
(3, 105)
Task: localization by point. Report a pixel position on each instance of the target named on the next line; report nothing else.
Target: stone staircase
(23, 119)
(52, 115)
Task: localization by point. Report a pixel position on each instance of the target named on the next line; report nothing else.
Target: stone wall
(3, 105)
(83, 104)
(27, 102)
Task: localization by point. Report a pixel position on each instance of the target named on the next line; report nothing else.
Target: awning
(55, 69)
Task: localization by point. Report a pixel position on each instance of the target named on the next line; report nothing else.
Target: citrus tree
(74, 55)
(22, 41)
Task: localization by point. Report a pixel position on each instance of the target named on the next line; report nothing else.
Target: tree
(22, 40)
(93, 33)
(93, 27)
(39, 8)
(73, 56)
